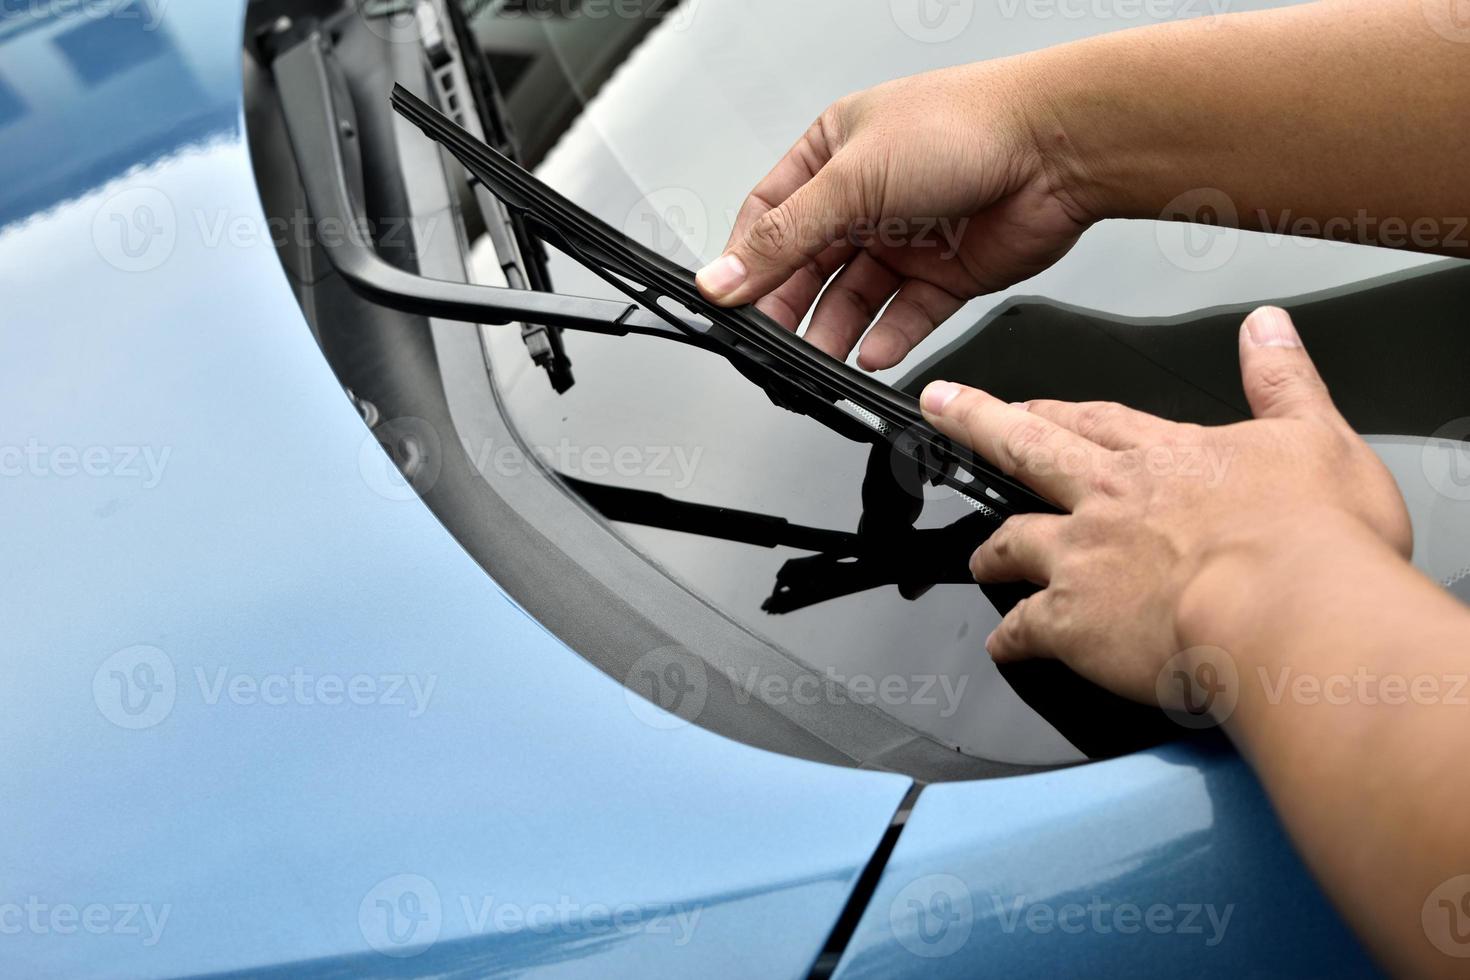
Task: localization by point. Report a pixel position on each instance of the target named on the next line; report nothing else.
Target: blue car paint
(1165, 863)
(216, 607)
(187, 494)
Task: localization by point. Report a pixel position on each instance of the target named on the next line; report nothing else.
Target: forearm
(1352, 707)
(1342, 119)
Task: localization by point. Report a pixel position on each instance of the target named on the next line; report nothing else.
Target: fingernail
(1023, 406)
(1271, 327)
(990, 639)
(937, 397)
(722, 276)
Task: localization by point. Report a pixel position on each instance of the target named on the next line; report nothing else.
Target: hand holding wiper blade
(807, 379)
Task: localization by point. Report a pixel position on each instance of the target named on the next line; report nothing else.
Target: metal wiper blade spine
(648, 277)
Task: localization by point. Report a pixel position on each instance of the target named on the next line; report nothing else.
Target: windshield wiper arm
(315, 125)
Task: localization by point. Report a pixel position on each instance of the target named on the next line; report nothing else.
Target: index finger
(795, 170)
(1047, 458)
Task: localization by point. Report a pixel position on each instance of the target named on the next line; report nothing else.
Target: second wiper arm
(315, 125)
(752, 340)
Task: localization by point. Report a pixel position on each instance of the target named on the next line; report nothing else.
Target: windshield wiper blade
(800, 377)
(520, 256)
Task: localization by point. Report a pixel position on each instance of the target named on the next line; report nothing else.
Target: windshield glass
(658, 119)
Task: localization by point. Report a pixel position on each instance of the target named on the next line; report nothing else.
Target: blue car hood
(258, 712)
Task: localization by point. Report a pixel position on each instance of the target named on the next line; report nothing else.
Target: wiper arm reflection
(846, 562)
(888, 550)
(885, 550)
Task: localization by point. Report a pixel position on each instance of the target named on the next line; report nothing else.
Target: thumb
(781, 241)
(1280, 379)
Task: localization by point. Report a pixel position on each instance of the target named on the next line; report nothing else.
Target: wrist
(1103, 155)
(1128, 122)
(1050, 119)
(1249, 591)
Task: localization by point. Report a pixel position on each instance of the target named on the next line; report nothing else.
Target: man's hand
(1168, 523)
(932, 190)
(1276, 548)
(927, 191)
